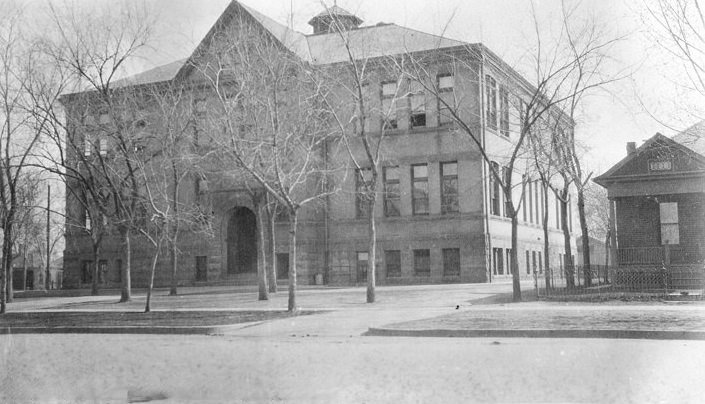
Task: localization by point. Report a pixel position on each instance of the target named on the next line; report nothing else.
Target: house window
(503, 111)
(422, 262)
(392, 259)
(491, 89)
(536, 200)
(540, 263)
(87, 221)
(449, 187)
(446, 98)
(365, 89)
(451, 262)
(498, 261)
(103, 146)
(417, 104)
(87, 146)
(118, 271)
(494, 189)
(392, 194)
(201, 268)
(86, 271)
(528, 265)
(533, 261)
(102, 271)
(419, 192)
(389, 107)
(362, 265)
(363, 200)
(669, 223)
(660, 165)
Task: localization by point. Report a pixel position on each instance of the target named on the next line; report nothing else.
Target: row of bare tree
(137, 157)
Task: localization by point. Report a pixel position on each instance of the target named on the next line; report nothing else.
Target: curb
(144, 330)
(605, 334)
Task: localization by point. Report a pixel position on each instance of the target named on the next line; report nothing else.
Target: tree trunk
(514, 265)
(96, 270)
(546, 251)
(272, 261)
(262, 252)
(292, 260)
(568, 259)
(3, 271)
(126, 292)
(587, 273)
(148, 304)
(173, 263)
(10, 277)
(607, 255)
(371, 247)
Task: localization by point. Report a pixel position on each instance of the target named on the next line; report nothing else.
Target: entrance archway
(242, 241)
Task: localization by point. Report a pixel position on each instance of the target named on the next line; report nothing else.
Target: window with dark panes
(451, 262)
(417, 105)
(446, 98)
(498, 261)
(422, 262)
(392, 260)
(389, 106)
(86, 271)
(504, 111)
(363, 180)
(528, 264)
(508, 253)
(494, 189)
(668, 218)
(362, 266)
(507, 204)
(449, 187)
(392, 193)
(491, 99)
(419, 192)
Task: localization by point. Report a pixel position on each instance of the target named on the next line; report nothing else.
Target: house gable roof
(658, 140)
(693, 138)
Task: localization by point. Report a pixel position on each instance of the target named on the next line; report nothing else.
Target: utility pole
(48, 274)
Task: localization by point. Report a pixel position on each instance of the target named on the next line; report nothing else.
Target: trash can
(318, 279)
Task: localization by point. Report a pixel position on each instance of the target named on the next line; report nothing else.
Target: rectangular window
(86, 271)
(366, 101)
(451, 262)
(504, 111)
(491, 99)
(392, 193)
(507, 204)
(422, 262)
(498, 261)
(449, 187)
(102, 270)
(389, 106)
(660, 165)
(363, 178)
(508, 253)
(103, 146)
(536, 201)
(669, 223)
(362, 265)
(523, 193)
(87, 146)
(419, 192)
(494, 189)
(533, 261)
(392, 259)
(528, 265)
(417, 104)
(530, 200)
(540, 262)
(87, 222)
(446, 98)
(201, 268)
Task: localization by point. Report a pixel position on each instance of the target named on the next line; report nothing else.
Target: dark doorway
(282, 265)
(201, 268)
(242, 242)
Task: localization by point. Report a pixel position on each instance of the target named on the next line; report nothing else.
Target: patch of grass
(132, 319)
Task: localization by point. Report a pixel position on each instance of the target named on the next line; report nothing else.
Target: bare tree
(92, 45)
(273, 127)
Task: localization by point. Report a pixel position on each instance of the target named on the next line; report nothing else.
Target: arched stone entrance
(242, 241)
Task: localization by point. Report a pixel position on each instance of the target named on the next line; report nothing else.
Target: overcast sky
(606, 123)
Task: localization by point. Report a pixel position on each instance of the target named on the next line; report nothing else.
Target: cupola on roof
(324, 21)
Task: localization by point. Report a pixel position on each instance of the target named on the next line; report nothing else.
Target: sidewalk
(560, 320)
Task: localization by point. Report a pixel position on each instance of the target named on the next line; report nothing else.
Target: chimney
(631, 148)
